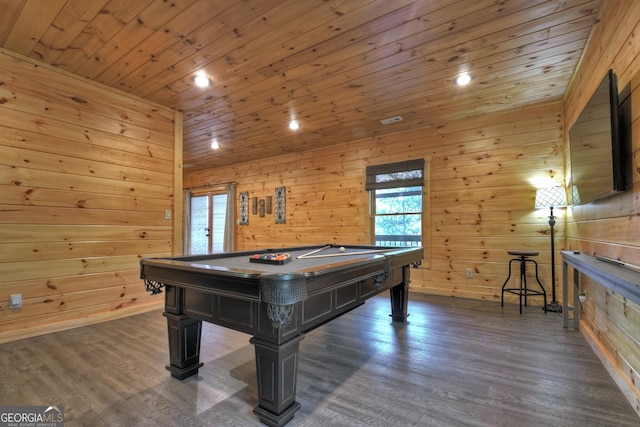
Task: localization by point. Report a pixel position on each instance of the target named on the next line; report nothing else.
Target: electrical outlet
(469, 273)
(15, 301)
(167, 214)
(583, 297)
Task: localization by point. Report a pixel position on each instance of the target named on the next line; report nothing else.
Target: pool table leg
(400, 298)
(277, 370)
(184, 345)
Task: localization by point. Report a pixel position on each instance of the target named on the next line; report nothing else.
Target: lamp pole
(550, 197)
(553, 306)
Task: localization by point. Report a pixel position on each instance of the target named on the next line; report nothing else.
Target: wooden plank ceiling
(337, 66)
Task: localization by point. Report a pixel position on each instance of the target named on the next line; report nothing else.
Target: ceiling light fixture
(294, 125)
(463, 79)
(214, 144)
(390, 120)
(201, 80)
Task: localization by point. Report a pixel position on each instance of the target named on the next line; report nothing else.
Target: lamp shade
(551, 197)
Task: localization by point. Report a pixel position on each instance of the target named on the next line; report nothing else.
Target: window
(396, 191)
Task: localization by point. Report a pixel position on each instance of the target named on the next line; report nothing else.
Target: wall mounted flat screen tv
(595, 146)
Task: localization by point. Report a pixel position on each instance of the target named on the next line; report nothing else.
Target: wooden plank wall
(482, 177)
(611, 227)
(86, 174)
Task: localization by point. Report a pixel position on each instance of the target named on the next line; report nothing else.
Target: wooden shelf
(612, 274)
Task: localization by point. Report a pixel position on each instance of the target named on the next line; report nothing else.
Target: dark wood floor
(456, 363)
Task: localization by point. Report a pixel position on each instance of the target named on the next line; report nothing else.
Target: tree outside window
(396, 198)
(398, 216)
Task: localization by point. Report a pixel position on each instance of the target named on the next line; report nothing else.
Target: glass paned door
(208, 216)
(199, 225)
(218, 218)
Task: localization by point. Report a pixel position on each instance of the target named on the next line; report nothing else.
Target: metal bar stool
(523, 290)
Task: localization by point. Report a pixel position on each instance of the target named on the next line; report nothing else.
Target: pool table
(275, 301)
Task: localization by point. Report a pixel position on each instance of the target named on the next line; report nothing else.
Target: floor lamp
(551, 197)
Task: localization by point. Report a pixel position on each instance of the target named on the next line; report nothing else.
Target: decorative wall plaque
(280, 205)
(254, 205)
(244, 208)
(261, 207)
(269, 203)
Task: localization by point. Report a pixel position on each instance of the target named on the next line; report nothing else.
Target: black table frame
(232, 299)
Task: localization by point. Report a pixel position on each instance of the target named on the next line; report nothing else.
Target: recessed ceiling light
(214, 144)
(294, 125)
(463, 79)
(201, 80)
